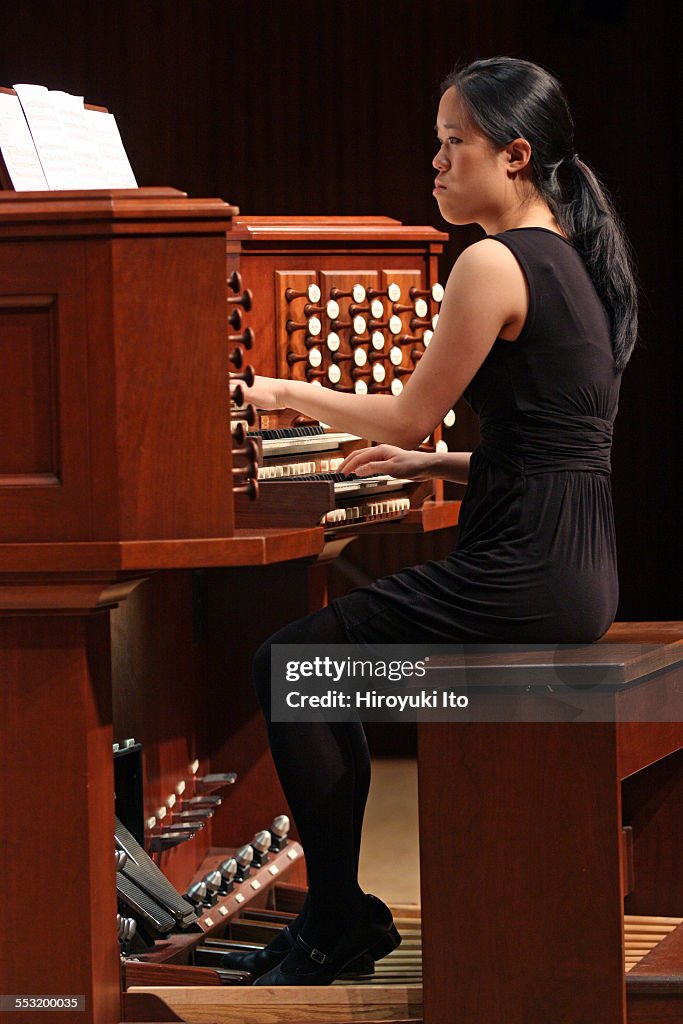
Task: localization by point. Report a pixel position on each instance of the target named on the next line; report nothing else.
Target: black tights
(324, 769)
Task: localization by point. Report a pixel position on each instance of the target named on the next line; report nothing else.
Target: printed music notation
(51, 140)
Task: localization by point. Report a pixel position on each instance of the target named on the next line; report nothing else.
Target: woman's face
(472, 184)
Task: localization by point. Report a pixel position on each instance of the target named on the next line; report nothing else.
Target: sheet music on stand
(49, 139)
(20, 167)
(113, 157)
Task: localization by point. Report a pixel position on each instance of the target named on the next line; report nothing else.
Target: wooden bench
(536, 836)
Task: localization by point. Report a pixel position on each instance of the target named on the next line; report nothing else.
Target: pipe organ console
(128, 584)
(348, 304)
(133, 589)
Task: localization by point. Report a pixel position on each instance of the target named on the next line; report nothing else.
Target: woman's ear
(518, 156)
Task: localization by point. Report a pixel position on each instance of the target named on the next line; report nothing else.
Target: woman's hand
(386, 458)
(265, 392)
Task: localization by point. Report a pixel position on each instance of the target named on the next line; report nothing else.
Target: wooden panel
(391, 1004)
(285, 310)
(56, 783)
(653, 807)
(132, 332)
(44, 457)
(28, 389)
(519, 844)
(173, 473)
(158, 667)
(237, 735)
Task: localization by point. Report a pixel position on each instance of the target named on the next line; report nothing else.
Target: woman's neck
(531, 215)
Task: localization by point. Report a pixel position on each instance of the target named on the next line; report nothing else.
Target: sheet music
(16, 144)
(71, 113)
(113, 156)
(53, 150)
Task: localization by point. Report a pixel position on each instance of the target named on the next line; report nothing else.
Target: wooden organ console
(350, 304)
(131, 604)
(121, 561)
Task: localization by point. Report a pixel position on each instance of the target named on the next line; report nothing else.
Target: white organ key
(315, 357)
(325, 466)
(314, 326)
(359, 324)
(333, 342)
(394, 292)
(334, 374)
(395, 325)
(360, 387)
(358, 293)
(377, 340)
(378, 373)
(449, 418)
(396, 386)
(421, 308)
(332, 309)
(376, 309)
(437, 292)
(360, 356)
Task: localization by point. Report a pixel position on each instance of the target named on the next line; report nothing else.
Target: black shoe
(258, 961)
(373, 934)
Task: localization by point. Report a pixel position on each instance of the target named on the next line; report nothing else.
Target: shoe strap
(315, 954)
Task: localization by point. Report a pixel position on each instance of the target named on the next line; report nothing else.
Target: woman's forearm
(453, 466)
(375, 417)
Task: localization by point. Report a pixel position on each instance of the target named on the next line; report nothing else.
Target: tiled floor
(389, 863)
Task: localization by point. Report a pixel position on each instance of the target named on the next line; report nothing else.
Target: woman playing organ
(537, 322)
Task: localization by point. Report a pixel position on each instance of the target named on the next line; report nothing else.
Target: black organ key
(285, 432)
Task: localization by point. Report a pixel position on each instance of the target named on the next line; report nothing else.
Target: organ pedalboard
(345, 303)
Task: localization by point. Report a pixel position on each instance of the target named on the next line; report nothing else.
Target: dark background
(327, 107)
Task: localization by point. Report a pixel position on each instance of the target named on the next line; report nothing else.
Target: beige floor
(389, 862)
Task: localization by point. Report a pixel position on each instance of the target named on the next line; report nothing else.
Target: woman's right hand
(388, 459)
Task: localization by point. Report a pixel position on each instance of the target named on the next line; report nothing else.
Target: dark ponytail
(506, 98)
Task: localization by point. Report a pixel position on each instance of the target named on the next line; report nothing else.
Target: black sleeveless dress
(535, 560)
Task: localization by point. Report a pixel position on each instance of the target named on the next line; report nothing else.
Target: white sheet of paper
(71, 113)
(113, 156)
(19, 153)
(53, 150)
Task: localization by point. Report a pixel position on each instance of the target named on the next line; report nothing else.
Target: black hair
(507, 98)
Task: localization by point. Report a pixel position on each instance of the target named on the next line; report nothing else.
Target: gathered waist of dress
(543, 443)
